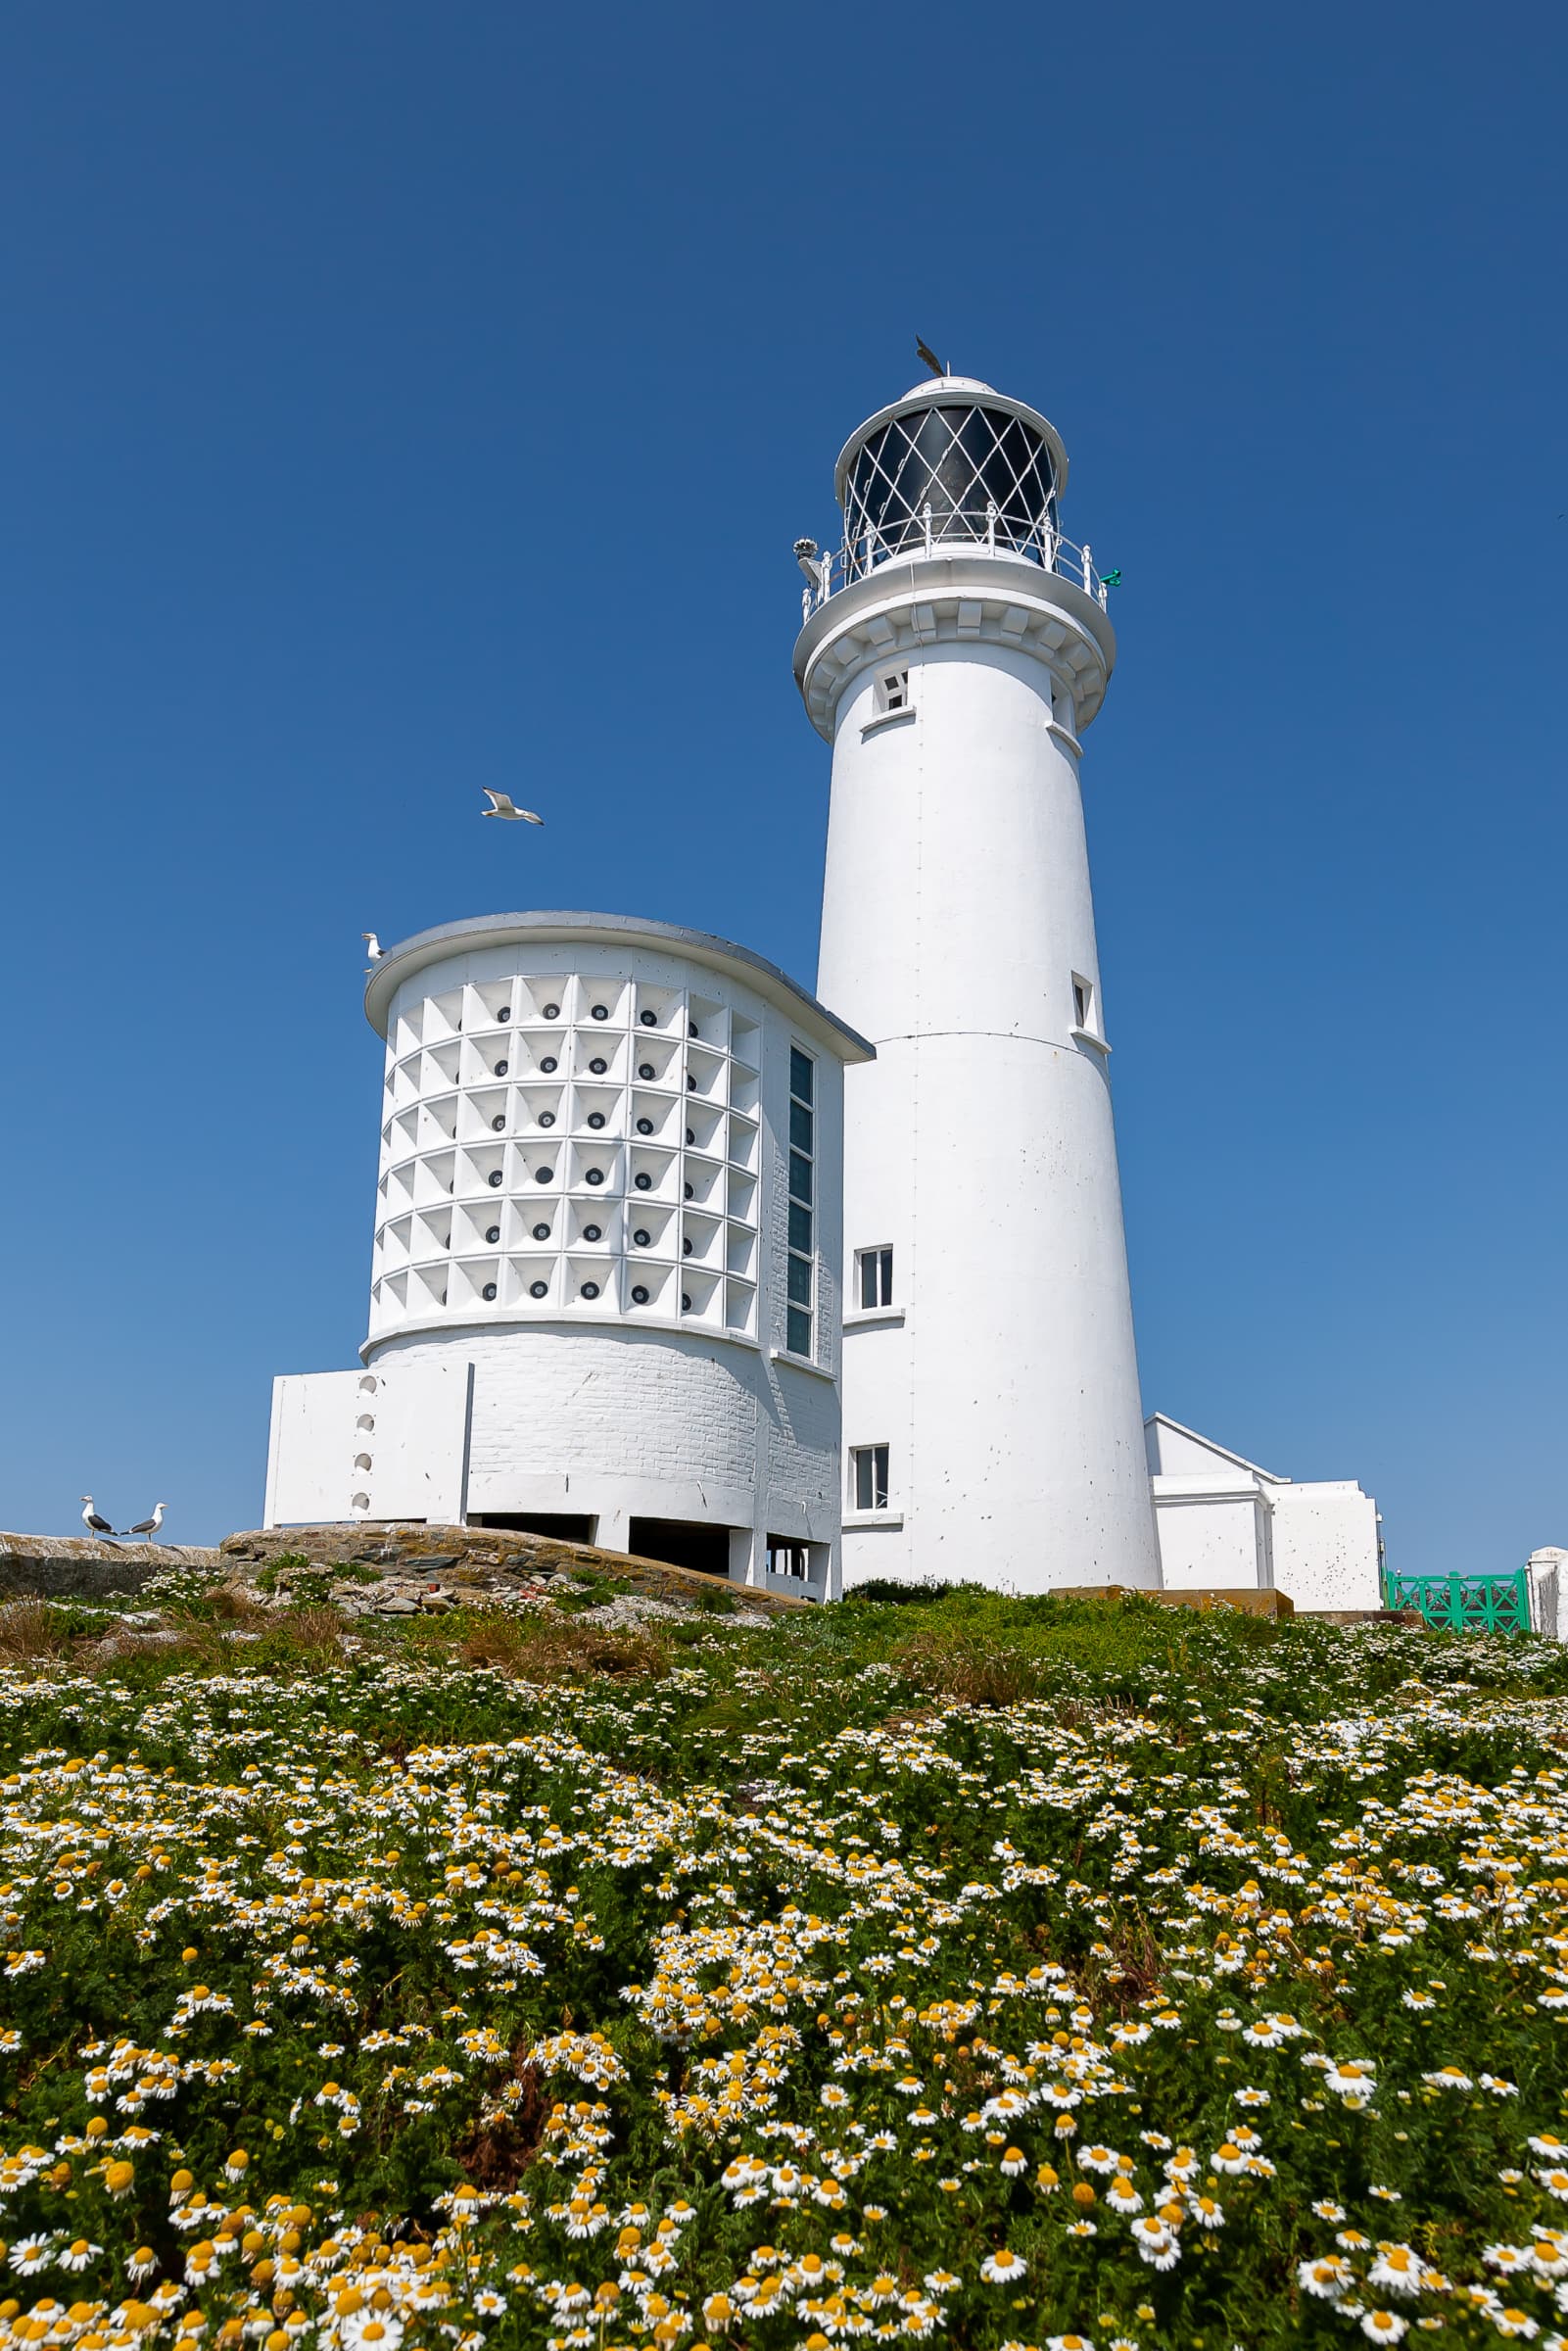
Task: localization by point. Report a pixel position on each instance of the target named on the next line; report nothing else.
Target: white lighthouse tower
(953, 653)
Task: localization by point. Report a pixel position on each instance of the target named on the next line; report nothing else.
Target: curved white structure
(605, 1289)
(953, 653)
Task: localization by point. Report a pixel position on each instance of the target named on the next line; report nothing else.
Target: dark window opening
(565, 1526)
(681, 1542)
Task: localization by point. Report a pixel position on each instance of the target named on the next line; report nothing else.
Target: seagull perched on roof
(147, 1527)
(373, 945)
(91, 1520)
(501, 805)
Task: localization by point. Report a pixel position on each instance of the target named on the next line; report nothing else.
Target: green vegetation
(935, 1967)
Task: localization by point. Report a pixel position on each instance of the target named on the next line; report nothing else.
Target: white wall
(382, 1444)
(1211, 1537)
(621, 1425)
(1325, 1545)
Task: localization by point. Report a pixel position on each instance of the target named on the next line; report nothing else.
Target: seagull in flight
(501, 805)
(147, 1527)
(929, 357)
(91, 1520)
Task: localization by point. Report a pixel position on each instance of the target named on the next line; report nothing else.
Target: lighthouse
(954, 650)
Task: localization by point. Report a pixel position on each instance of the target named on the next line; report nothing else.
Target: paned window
(876, 1276)
(867, 1473)
(801, 1268)
(892, 691)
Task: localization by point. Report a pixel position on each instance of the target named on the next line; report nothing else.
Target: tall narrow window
(868, 1465)
(1082, 1002)
(875, 1284)
(800, 1282)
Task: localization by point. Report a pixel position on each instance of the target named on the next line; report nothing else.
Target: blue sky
(400, 399)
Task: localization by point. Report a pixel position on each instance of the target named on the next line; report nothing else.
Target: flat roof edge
(571, 927)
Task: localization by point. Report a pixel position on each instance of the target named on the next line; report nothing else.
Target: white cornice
(953, 599)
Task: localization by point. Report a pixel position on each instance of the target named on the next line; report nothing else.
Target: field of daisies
(981, 1972)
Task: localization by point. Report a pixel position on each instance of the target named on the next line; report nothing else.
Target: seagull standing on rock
(91, 1520)
(501, 805)
(147, 1528)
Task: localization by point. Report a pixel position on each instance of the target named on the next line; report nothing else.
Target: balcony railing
(1465, 1604)
(941, 534)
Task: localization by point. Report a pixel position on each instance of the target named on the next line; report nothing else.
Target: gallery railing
(932, 534)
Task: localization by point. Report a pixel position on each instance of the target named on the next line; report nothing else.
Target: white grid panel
(570, 1146)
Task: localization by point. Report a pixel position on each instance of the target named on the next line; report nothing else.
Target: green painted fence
(1465, 1604)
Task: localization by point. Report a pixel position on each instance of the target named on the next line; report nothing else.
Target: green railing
(1465, 1604)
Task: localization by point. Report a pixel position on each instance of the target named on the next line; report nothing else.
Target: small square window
(868, 1468)
(892, 692)
(875, 1285)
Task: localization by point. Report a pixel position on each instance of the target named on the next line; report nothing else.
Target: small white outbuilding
(1224, 1521)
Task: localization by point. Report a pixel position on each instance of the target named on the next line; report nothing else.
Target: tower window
(867, 1473)
(892, 692)
(644, 1126)
(642, 1238)
(1082, 1002)
(875, 1277)
(800, 1269)
(501, 1068)
(594, 1175)
(785, 1558)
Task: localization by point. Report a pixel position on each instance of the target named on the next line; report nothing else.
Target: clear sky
(399, 400)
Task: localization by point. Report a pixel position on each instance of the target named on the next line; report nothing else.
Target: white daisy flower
(1155, 2244)
(1002, 2267)
(1327, 2279)
(1398, 2270)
